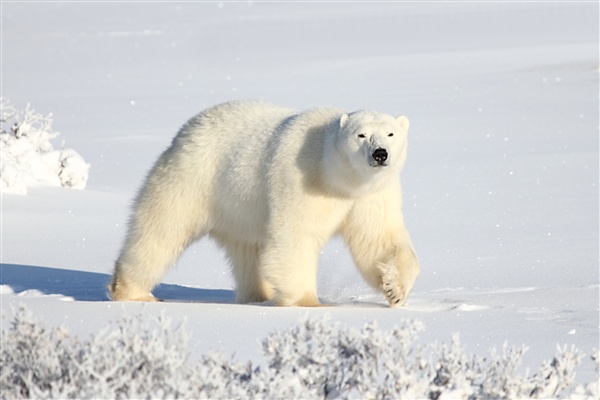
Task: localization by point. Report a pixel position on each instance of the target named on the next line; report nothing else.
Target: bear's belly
(240, 220)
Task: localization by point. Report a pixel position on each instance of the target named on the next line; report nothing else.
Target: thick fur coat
(272, 186)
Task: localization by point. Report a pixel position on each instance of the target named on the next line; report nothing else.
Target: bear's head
(372, 141)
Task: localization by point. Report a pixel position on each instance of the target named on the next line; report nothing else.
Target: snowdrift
(28, 155)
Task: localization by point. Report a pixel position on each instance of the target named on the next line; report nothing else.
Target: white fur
(272, 186)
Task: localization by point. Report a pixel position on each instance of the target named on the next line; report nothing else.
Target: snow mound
(28, 157)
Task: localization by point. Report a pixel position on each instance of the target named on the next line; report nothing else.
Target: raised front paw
(393, 291)
(396, 283)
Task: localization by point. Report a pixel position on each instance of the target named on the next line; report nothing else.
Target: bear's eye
(362, 135)
(390, 134)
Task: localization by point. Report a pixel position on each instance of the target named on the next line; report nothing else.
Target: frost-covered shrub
(590, 390)
(28, 156)
(126, 360)
(323, 360)
(315, 359)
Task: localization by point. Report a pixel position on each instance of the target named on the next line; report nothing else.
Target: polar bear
(272, 186)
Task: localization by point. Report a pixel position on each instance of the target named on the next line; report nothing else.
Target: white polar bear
(272, 186)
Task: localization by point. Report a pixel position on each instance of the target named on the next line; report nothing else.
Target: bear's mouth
(378, 164)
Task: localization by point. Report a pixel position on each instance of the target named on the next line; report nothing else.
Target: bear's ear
(343, 120)
(403, 121)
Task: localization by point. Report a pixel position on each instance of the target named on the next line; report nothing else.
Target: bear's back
(226, 146)
(235, 121)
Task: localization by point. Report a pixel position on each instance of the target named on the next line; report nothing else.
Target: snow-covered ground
(501, 184)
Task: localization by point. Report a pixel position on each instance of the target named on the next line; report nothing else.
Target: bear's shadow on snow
(91, 286)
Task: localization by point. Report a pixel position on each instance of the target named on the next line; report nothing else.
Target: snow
(500, 186)
(28, 156)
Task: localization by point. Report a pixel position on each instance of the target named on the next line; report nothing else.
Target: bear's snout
(380, 155)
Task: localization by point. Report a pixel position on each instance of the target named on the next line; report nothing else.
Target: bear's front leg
(375, 233)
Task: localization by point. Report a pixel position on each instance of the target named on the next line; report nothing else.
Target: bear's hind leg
(249, 285)
(144, 260)
(124, 288)
(161, 227)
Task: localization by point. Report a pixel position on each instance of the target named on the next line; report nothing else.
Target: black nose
(380, 155)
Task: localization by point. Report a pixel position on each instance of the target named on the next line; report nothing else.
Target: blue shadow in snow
(91, 286)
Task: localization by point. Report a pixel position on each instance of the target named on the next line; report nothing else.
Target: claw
(391, 286)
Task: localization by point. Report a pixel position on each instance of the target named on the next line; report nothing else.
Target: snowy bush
(28, 156)
(315, 359)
